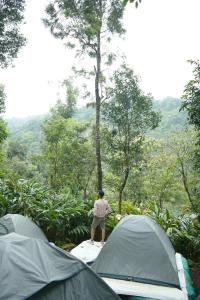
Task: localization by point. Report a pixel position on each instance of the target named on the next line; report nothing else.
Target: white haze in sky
(161, 36)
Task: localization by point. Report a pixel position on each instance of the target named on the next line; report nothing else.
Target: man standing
(100, 210)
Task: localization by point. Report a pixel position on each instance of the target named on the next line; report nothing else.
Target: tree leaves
(83, 21)
(11, 40)
(128, 114)
(2, 99)
(132, 1)
(191, 96)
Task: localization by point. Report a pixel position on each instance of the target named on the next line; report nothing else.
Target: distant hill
(172, 118)
(28, 130)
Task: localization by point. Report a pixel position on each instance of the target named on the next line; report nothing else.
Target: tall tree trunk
(54, 175)
(85, 193)
(122, 189)
(98, 112)
(87, 182)
(162, 193)
(184, 178)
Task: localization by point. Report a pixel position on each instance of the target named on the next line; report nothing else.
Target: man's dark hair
(101, 194)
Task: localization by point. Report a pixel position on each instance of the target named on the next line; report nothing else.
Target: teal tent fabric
(190, 290)
(34, 269)
(138, 249)
(20, 225)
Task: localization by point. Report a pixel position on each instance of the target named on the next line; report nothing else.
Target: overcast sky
(161, 36)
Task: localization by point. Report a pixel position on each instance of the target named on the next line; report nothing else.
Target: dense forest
(48, 172)
(143, 153)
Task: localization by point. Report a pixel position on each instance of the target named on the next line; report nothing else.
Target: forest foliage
(49, 174)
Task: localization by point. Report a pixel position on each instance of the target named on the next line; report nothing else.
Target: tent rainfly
(35, 270)
(20, 225)
(138, 250)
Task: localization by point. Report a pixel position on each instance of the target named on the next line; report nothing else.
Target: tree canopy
(191, 104)
(2, 98)
(129, 114)
(67, 109)
(191, 96)
(88, 22)
(3, 129)
(11, 40)
(83, 21)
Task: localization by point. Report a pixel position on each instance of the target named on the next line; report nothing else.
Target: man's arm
(95, 209)
(108, 209)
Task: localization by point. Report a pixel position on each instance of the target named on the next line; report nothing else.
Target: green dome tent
(35, 270)
(21, 225)
(138, 250)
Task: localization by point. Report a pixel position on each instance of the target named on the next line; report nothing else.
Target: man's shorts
(98, 222)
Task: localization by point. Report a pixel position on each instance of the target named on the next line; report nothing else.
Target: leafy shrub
(62, 217)
(186, 238)
(164, 218)
(183, 230)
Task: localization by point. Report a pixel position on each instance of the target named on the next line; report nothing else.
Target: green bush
(186, 238)
(183, 230)
(62, 217)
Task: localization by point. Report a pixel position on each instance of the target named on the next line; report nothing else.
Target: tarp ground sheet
(20, 225)
(33, 269)
(138, 249)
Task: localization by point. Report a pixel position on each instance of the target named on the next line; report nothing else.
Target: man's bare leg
(103, 233)
(92, 234)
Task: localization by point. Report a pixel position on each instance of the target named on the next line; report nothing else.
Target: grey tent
(34, 269)
(21, 225)
(139, 250)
